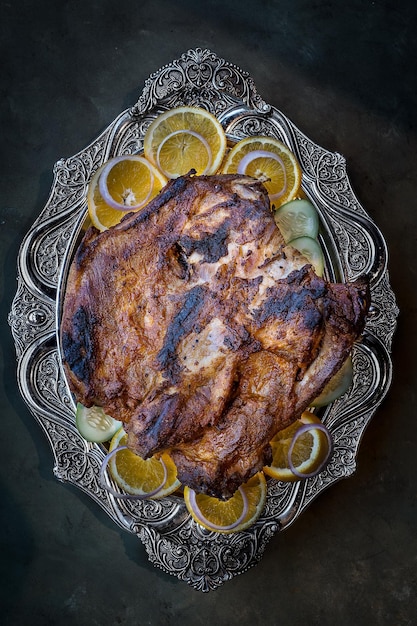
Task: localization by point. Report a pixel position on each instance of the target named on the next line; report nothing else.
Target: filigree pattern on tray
(352, 245)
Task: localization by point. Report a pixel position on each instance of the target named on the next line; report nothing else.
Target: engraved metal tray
(352, 246)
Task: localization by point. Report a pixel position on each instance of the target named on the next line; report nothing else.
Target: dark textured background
(345, 73)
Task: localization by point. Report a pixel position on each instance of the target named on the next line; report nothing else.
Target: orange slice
(230, 516)
(309, 451)
(137, 476)
(129, 183)
(270, 161)
(185, 138)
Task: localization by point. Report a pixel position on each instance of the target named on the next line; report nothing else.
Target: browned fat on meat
(196, 326)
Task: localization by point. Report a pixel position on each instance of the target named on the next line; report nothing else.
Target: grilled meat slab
(195, 325)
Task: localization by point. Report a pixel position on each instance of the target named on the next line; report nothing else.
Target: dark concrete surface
(345, 73)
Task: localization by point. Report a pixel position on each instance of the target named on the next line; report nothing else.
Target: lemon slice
(131, 179)
(154, 477)
(230, 516)
(270, 161)
(185, 138)
(308, 451)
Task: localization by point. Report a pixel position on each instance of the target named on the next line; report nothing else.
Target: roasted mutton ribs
(192, 323)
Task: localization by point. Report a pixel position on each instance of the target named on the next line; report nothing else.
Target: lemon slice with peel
(301, 450)
(230, 516)
(131, 182)
(155, 477)
(270, 161)
(185, 138)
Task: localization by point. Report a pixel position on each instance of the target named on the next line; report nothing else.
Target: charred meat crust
(192, 323)
(295, 383)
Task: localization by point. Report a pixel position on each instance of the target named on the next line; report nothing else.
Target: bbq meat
(192, 323)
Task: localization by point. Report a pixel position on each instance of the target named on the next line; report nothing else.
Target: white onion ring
(257, 154)
(209, 524)
(127, 496)
(303, 429)
(104, 191)
(187, 132)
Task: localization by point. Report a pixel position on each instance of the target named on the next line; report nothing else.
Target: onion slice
(260, 154)
(215, 527)
(183, 132)
(104, 191)
(127, 496)
(303, 429)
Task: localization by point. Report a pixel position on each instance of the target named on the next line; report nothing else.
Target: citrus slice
(294, 448)
(230, 516)
(154, 477)
(185, 138)
(270, 161)
(128, 182)
(102, 214)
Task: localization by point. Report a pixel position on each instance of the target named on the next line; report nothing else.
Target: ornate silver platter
(352, 246)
